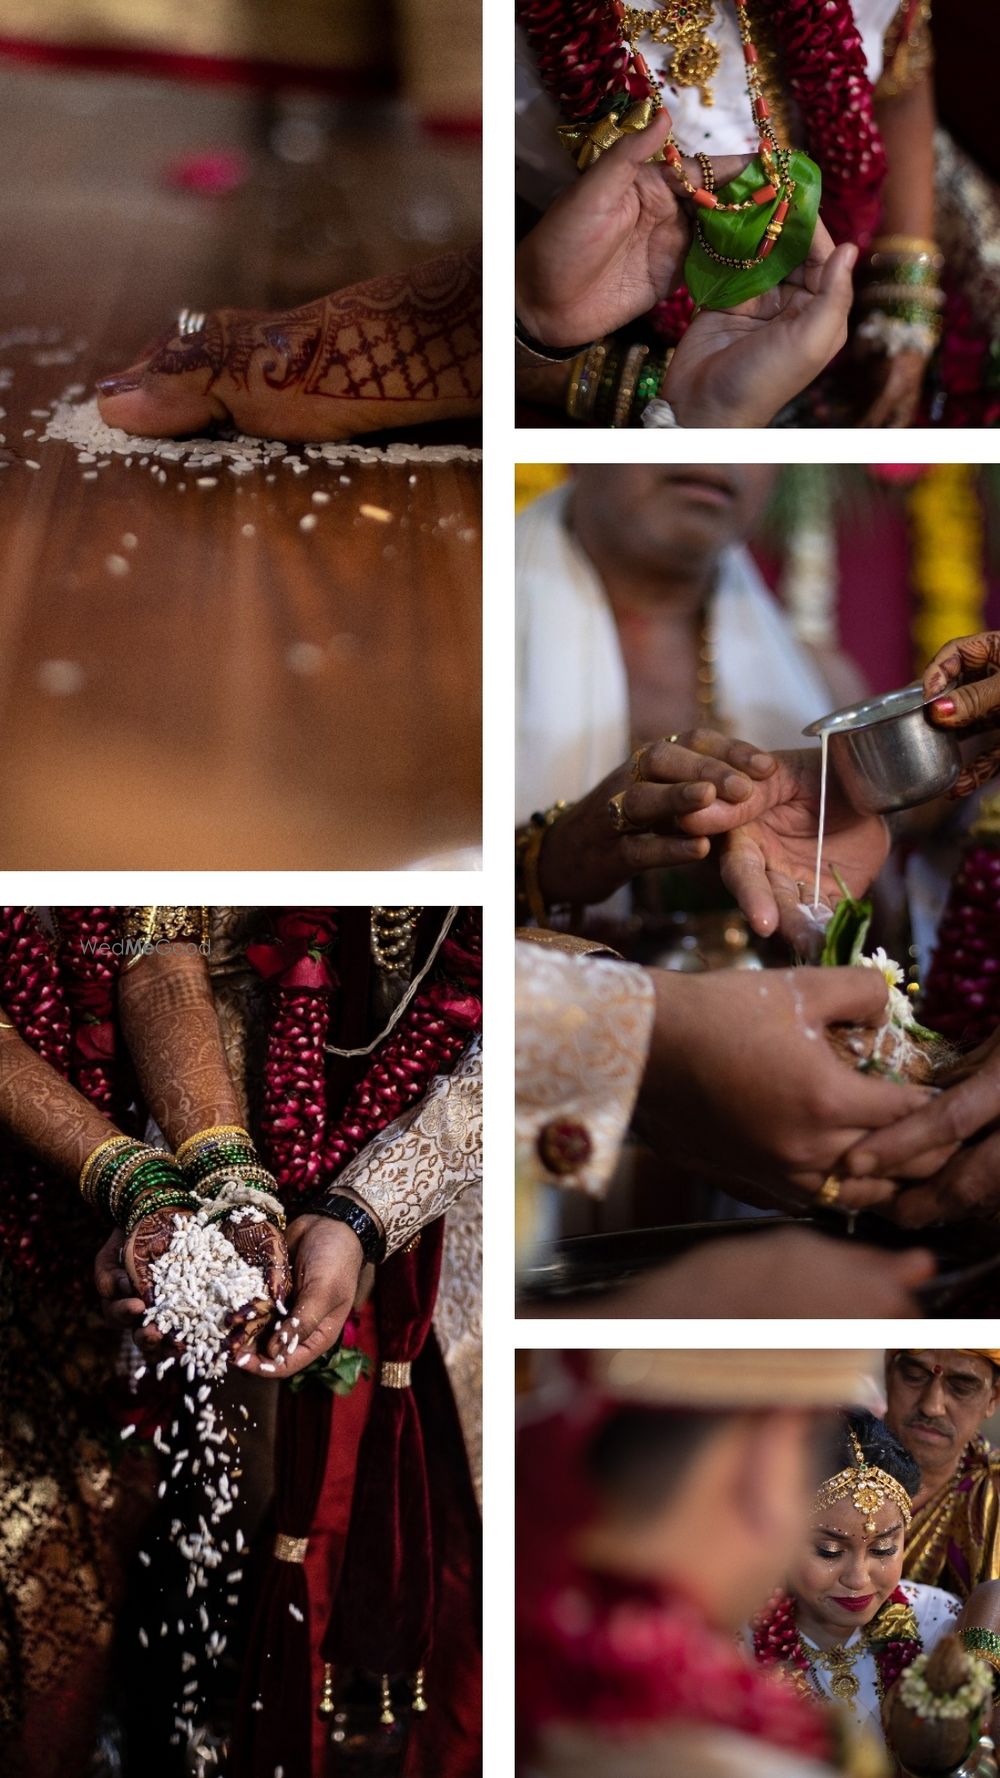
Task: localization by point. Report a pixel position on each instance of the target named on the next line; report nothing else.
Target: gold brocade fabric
(954, 1541)
(62, 1514)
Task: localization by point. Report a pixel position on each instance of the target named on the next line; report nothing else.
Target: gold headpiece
(868, 1487)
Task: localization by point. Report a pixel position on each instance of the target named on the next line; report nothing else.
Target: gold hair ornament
(867, 1487)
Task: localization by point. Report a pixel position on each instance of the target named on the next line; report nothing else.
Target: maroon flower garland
(824, 70)
(428, 1040)
(90, 967)
(293, 1115)
(777, 1642)
(603, 1655)
(34, 998)
(582, 61)
(304, 1143)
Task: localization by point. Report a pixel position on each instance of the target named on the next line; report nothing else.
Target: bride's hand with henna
(974, 703)
(396, 351)
(122, 1273)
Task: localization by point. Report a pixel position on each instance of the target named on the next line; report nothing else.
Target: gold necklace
(684, 25)
(840, 1661)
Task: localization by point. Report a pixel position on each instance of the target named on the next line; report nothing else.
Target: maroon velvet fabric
(446, 1741)
(384, 1608)
(277, 1668)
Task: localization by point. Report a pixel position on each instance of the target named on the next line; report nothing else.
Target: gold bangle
(585, 380)
(635, 358)
(101, 1149)
(903, 244)
(212, 1130)
(529, 846)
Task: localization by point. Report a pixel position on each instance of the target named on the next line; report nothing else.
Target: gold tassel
(387, 1718)
(326, 1704)
(419, 1701)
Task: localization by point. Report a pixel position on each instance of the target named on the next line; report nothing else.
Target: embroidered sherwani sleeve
(409, 1174)
(583, 1034)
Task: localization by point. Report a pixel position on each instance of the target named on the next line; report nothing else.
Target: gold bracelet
(528, 846)
(635, 358)
(212, 1130)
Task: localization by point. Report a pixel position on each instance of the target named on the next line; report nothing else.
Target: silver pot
(887, 753)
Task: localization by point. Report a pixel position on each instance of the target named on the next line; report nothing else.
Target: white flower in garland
(900, 1009)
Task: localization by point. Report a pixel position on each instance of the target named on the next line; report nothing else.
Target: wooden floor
(294, 700)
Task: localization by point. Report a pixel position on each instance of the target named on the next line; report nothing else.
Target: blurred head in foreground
(661, 1495)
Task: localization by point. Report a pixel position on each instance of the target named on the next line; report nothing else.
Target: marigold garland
(947, 557)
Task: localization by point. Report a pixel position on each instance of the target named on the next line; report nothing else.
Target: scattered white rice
(79, 423)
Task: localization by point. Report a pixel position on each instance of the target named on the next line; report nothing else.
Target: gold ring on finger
(635, 764)
(829, 1191)
(616, 810)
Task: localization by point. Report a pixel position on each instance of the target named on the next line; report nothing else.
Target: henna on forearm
(43, 1111)
(172, 1030)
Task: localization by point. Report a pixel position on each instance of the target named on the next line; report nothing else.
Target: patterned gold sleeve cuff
(144, 929)
(411, 1173)
(583, 1033)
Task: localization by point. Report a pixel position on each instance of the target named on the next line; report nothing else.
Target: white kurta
(725, 127)
(935, 1612)
(572, 691)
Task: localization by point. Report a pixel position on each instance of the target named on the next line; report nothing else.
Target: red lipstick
(853, 1604)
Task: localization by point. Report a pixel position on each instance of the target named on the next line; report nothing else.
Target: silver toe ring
(189, 322)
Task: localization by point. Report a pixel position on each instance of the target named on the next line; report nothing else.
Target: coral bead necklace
(778, 185)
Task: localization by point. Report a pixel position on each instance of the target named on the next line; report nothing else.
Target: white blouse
(935, 1612)
(725, 127)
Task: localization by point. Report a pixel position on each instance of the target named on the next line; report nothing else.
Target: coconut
(932, 1715)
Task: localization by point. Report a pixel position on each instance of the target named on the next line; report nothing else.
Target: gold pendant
(684, 25)
(844, 1685)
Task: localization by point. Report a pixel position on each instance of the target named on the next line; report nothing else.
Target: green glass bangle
(218, 1158)
(647, 386)
(130, 1194)
(159, 1200)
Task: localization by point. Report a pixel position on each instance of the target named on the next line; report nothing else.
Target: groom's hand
(611, 245)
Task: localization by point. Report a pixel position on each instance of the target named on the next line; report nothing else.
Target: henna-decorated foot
(391, 353)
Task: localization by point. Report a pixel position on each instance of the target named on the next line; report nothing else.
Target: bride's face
(845, 1574)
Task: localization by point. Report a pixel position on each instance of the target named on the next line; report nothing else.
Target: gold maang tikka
(867, 1487)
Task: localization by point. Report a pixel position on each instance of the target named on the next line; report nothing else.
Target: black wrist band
(340, 1209)
(549, 354)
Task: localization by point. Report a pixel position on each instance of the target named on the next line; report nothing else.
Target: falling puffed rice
(378, 513)
(308, 522)
(293, 1611)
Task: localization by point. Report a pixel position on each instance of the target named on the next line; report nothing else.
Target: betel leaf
(738, 234)
(845, 936)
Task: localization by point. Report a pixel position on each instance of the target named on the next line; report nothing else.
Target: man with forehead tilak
(937, 1404)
